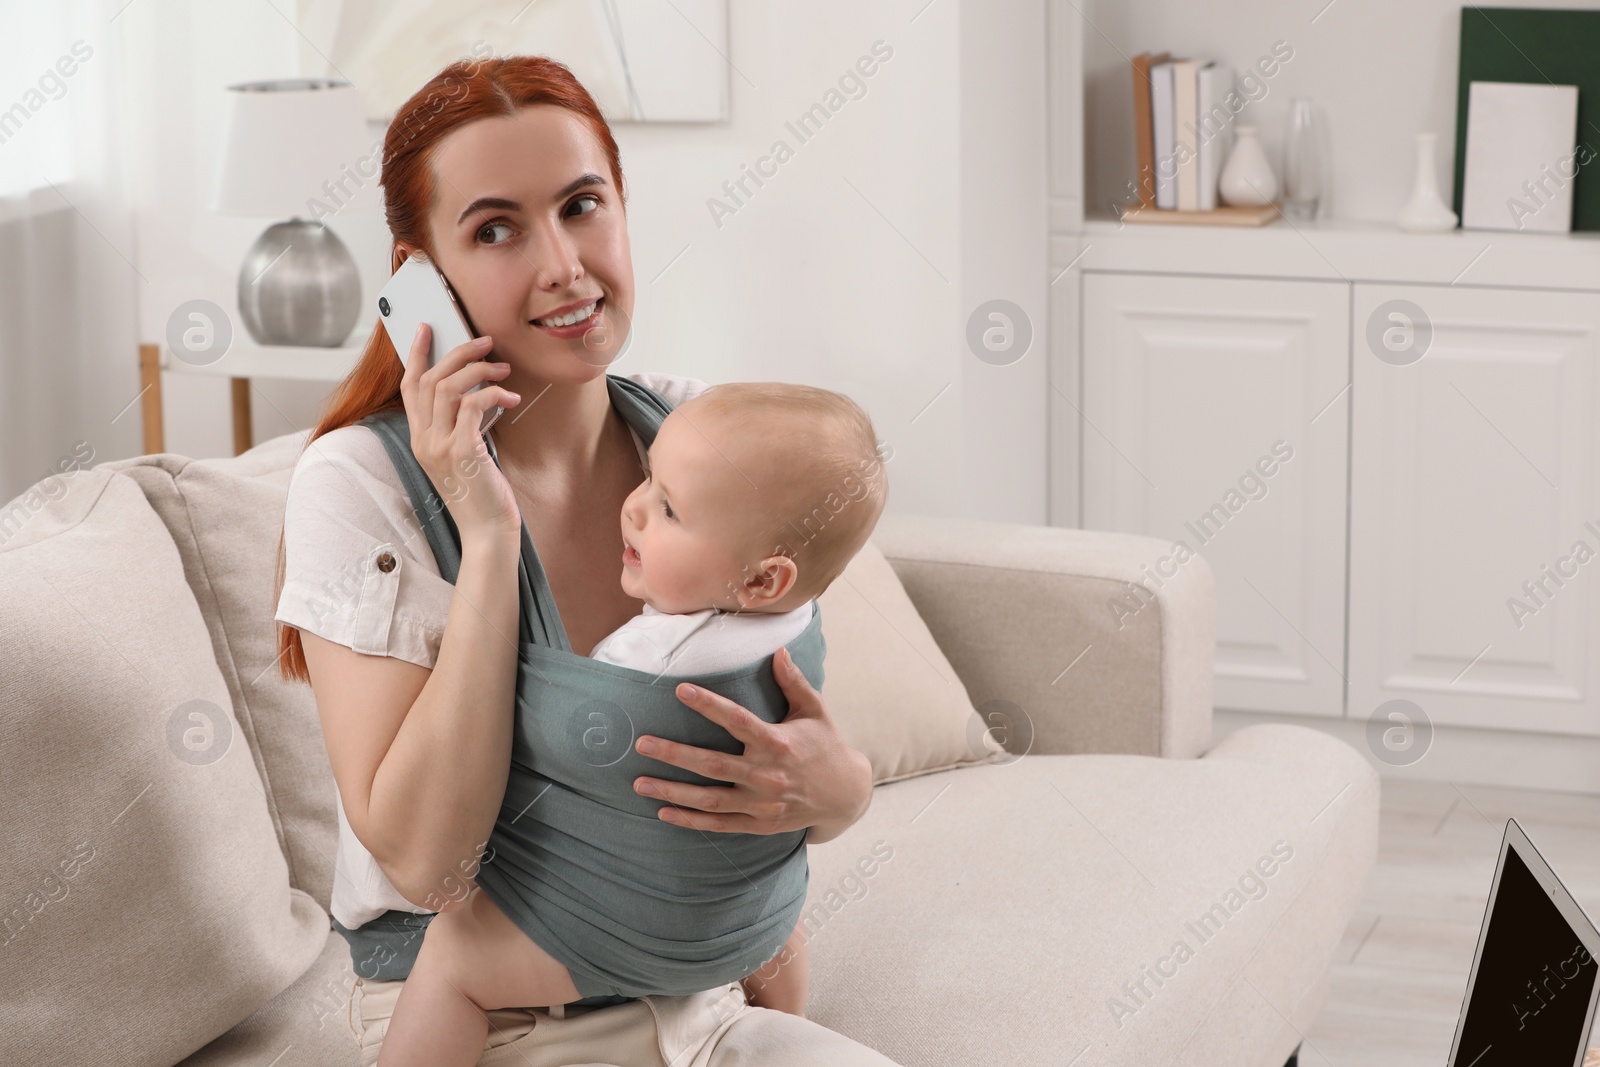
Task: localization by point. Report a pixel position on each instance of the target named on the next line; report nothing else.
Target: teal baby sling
(630, 904)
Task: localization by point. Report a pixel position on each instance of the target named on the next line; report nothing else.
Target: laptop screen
(1530, 1001)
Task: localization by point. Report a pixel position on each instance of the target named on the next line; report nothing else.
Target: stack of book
(1182, 130)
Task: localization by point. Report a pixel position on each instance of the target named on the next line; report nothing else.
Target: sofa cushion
(888, 686)
(225, 516)
(1108, 909)
(1025, 614)
(143, 886)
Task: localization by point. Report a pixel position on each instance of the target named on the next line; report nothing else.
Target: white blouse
(346, 506)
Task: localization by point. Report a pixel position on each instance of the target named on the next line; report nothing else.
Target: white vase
(1247, 179)
(1426, 212)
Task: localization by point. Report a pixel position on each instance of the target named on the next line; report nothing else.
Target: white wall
(1004, 236)
(829, 273)
(1380, 71)
(807, 281)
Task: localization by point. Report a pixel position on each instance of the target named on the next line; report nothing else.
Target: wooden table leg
(150, 398)
(243, 432)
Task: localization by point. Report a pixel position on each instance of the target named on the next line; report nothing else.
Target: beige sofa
(1116, 890)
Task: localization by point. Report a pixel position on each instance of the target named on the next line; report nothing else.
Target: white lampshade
(286, 139)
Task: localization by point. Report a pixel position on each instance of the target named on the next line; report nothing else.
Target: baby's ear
(779, 574)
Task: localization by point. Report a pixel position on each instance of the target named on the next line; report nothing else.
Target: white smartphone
(418, 293)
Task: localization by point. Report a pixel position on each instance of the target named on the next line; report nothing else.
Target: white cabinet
(1434, 538)
(1215, 416)
(1475, 509)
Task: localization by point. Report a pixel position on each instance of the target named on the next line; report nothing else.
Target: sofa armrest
(1098, 650)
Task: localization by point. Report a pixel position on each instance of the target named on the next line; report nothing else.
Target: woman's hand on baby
(794, 774)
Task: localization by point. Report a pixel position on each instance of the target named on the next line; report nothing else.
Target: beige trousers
(714, 1028)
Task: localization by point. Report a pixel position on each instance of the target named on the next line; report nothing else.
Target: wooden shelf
(1219, 216)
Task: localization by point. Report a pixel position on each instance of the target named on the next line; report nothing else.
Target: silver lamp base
(299, 286)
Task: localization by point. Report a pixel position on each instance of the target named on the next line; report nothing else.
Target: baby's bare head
(793, 471)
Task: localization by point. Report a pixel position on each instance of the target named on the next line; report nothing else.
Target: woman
(504, 172)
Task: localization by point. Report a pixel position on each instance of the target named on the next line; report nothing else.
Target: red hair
(463, 92)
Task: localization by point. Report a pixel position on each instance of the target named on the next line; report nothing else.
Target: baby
(756, 496)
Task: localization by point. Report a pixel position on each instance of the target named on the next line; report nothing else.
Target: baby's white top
(700, 642)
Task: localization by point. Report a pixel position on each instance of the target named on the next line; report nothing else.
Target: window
(41, 44)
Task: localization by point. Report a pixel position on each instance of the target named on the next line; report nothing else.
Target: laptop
(1535, 983)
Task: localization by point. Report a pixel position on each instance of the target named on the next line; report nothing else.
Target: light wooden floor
(1401, 971)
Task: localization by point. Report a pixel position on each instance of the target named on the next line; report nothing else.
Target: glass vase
(1302, 162)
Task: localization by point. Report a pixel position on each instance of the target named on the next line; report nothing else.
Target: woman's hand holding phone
(445, 418)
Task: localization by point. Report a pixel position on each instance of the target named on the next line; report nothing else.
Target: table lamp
(287, 142)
